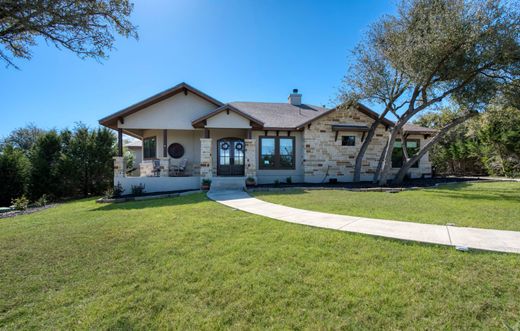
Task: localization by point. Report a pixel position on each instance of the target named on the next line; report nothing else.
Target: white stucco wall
(159, 184)
(225, 120)
(176, 112)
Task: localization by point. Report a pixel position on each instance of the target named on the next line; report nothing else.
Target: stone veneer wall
(250, 158)
(206, 160)
(326, 158)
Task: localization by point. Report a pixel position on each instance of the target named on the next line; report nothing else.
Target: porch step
(227, 183)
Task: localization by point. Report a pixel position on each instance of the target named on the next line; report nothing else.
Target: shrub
(118, 190)
(288, 180)
(138, 189)
(14, 170)
(42, 201)
(21, 203)
(276, 182)
(114, 192)
(206, 182)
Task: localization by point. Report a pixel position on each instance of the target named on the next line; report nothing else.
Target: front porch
(180, 159)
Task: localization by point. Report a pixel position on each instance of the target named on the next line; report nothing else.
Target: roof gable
(201, 121)
(111, 120)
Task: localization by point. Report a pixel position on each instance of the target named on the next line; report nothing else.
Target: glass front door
(230, 158)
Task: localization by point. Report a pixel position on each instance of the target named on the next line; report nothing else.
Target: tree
(429, 52)
(86, 160)
(85, 27)
(499, 133)
(23, 138)
(460, 151)
(45, 177)
(14, 170)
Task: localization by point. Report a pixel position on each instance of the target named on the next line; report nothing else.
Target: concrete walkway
(492, 240)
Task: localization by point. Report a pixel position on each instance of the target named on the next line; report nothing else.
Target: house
(188, 136)
(135, 148)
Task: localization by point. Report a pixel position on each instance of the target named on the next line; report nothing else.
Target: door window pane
(239, 153)
(224, 153)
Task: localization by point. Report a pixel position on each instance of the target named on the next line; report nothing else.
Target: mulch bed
(415, 183)
(31, 210)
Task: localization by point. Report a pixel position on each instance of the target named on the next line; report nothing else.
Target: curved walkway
(492, 240)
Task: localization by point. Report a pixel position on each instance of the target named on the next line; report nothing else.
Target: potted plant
(206, 183)
(250, 181)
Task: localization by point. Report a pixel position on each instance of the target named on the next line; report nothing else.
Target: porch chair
(178, 169)
(156, 168)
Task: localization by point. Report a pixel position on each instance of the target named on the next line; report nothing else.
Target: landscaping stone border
(30, 210)
(380, 189)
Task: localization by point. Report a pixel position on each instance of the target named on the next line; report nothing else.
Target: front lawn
(481, 205)
(189, 263)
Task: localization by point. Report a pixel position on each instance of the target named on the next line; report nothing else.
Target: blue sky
(232, 50)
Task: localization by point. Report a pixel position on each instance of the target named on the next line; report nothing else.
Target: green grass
(481, 205)
(189, 263)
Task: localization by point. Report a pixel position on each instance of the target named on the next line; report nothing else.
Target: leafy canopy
(85, 27)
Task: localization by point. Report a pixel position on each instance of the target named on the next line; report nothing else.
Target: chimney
(295, 98)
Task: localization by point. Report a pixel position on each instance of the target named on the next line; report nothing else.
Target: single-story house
(188, 136)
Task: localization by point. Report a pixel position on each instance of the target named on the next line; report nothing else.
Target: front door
(230, 157)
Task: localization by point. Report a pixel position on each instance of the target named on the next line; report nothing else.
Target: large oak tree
(427, 53)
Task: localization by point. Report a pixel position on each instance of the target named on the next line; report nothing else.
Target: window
(412, 146)
(348, 141)
(277, 153)
(149, 147)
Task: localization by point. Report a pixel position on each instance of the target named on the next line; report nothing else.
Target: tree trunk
(359, 158)
(404, 169)
(379, 164)
(387, 160)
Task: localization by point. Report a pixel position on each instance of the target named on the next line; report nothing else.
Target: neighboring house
(267, 141)
(136, 148)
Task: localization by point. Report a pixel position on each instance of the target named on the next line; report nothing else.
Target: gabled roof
(280, 115)
(201, 121)
(111, 120)
(263, 115)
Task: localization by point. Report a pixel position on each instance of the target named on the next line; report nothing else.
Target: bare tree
(85, 27)
(463, 50)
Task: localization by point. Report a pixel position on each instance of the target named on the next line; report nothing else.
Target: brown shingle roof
(414, 128)
(280, 115)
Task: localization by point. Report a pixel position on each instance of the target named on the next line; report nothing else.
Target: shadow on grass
(194, 199)
(461, 191)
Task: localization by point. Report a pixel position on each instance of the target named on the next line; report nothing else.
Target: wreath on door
(176, 150)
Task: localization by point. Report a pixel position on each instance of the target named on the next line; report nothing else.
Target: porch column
(206, 161)
(119, 167)
(250, 156)
(165, 143)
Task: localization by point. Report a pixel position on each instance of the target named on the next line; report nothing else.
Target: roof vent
(295, 98)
